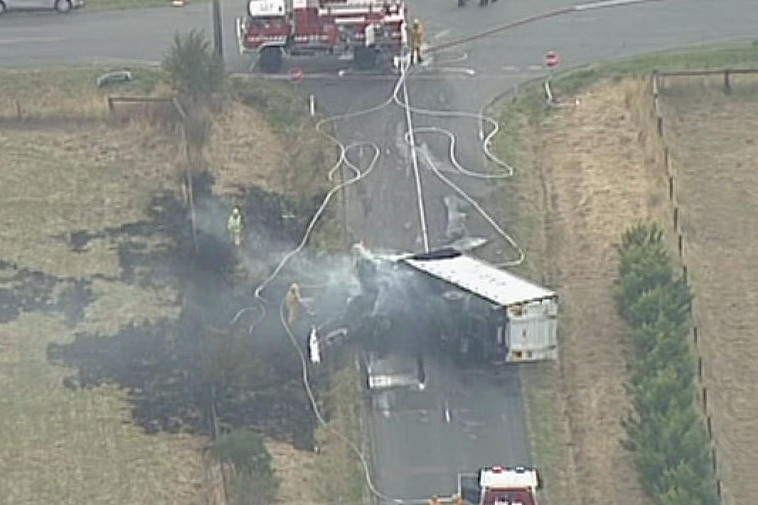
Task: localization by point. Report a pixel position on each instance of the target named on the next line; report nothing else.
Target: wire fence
(658, 81)
(217, 471)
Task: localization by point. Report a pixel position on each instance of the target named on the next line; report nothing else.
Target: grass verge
(339, 468)
(551, 438)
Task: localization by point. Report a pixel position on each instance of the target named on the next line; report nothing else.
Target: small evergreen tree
(193, 67)
(254, 481)
(664, 429)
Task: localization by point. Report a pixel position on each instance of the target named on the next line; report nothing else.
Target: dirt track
(712, 137)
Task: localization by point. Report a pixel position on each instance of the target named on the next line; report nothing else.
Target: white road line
(610, 3)
(455, 70)
(441, 34)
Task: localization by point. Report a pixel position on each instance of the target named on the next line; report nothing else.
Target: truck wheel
(270, 61)
(365, 58)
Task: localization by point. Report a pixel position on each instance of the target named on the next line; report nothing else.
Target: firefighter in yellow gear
(236, 226)
(417, 38)
(293, 302)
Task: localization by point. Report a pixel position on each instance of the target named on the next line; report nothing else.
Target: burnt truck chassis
(445, 324)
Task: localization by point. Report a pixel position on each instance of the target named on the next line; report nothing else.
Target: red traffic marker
(296, 74)
(552, 59)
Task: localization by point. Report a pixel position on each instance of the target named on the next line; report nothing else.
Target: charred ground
(167, 366)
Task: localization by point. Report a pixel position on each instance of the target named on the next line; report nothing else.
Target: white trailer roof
(482, 279)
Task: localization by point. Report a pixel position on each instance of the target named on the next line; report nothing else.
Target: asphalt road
(460, 422)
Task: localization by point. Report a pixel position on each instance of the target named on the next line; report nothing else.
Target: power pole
(218, 38)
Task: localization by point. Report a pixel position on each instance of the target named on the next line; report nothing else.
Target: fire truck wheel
(365, 58)
(271, 60)
(63, 6)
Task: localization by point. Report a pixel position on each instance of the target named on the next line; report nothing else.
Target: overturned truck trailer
(490, 314)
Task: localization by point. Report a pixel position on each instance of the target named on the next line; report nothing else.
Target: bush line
(664, 429)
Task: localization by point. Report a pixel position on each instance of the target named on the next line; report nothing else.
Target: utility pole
(218, 38)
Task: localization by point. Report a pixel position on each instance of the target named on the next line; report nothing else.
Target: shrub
(193, 68)
(664, 429)
(254, 481)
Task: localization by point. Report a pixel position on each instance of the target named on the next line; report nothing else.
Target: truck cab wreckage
(367, 32)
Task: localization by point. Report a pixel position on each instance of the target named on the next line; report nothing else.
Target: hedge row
(664, 429)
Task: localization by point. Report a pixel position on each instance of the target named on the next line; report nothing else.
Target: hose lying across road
(358, 174)
(343, 160)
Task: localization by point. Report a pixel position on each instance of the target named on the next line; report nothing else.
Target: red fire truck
(368, 32)
(499, 485)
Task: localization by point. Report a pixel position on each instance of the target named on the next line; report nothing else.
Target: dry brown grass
(597, 175)
(714, 146)
(67, 167)
(243, 154)
(298, 473)
(60, 180)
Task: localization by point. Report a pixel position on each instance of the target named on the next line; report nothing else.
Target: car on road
(62, 6)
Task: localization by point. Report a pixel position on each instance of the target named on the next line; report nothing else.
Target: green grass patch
(286, 111)
(344, 406)
(549, 437)
(36, 83)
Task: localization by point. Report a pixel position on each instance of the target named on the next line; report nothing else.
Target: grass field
(70, 168)
(67, 169)
(596, 169)
(712, 139)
